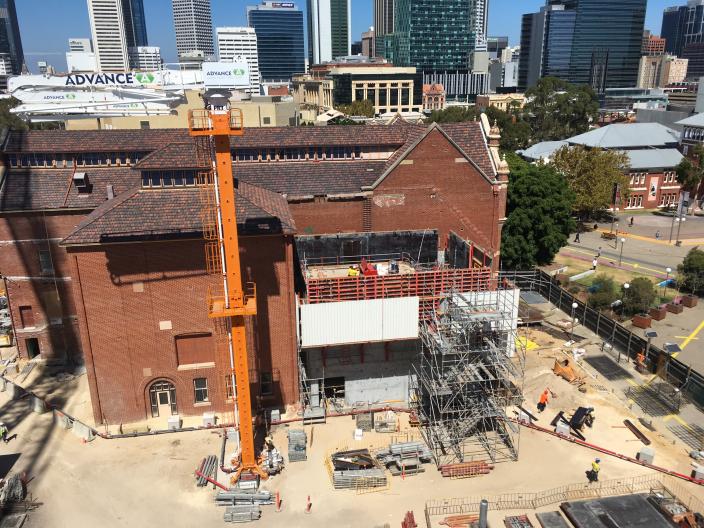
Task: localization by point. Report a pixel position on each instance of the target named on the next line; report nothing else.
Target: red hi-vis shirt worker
(542, 403)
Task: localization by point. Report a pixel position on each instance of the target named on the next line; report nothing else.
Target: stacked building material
(208, 468)
(466, 469)
(386, 422)
(461, 521)
(242, 513)
(405, 458)
(237, 498)
(297, 441)
(356, 469)
(359, 478)
(365, 421)
(518, 521)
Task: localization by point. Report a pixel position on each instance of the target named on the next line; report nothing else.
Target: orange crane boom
(236, 303)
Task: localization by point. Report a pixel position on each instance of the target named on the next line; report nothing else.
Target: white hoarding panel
(226, 74)
(358, 321)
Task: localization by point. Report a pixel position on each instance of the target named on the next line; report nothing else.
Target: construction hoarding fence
(627, 343)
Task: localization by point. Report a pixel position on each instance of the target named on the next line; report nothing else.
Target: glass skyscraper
(435, 34)
(135, 23)
(280, 41)
(593, 42)
(683, 25)
(10, 41)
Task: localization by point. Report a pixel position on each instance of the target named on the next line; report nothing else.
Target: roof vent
(110, 192)
(80, 180)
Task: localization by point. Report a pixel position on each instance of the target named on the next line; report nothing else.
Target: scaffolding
(469, 372)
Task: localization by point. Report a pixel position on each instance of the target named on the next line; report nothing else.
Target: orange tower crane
(216, 127)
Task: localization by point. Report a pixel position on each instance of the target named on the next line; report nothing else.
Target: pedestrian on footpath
(543, 401)
(598, 252)
(631, 222)
(594, 263)
(576, 238)
(657, 235)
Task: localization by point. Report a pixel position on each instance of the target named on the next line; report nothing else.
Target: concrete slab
(629, 511)
(551, 520)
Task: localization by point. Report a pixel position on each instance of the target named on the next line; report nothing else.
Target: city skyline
(45, 29)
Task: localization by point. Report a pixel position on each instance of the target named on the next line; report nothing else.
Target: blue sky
(46, 25)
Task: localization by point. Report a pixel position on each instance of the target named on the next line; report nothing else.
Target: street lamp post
(620, 255)
(616, 237)
(623, 299)
(574, 307)
(667, 279)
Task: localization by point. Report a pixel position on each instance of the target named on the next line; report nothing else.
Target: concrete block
(82, 431)
(208, 419)
(173, 423)
(358, 434)
(562, 428)
(275, 415)
(3, 384)
(646, 454)
(698, 472)
(15, 391)
(62, 420)
(523, 417)
(38, 405)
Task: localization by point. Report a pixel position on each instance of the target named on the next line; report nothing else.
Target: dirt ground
(148, 481)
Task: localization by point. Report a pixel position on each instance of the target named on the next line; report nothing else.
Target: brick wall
(134, 299)
(48, 294)
(436, 188)
(337, 216)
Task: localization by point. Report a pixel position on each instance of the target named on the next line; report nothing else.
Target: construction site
(366, 377)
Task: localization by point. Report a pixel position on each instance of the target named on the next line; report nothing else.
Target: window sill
(203, 404)
(196, 366)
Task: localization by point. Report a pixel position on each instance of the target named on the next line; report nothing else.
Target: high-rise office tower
(10, 40)
(135, 23)
(80, 45)
(234, 42)
(329, 30)
(683, 25)
(369, 43)
(280, 42)
(594, 42)
(193, 24)
(438, 34)
(145, 58)
(107, 26)
(383, 25)
(116, 26)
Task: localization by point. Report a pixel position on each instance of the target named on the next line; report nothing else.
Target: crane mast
(236, 302)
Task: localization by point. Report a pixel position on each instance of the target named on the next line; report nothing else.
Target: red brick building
(102, 232)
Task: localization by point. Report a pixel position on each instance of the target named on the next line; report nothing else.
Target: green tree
(591, 174)
(690, 172)
(364, 108)
(691, 271)
(556, 109)
(453, 114)
(602, 292)
(639, 297)
(539, 218)
(515, 132)
(9, 120)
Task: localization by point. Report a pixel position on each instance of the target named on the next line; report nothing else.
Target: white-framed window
(200, 390)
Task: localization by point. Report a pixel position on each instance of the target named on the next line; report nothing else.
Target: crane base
(252, 470)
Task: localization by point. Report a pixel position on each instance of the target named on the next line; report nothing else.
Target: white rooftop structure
(628, 136)
(696, 120)
(654, 158)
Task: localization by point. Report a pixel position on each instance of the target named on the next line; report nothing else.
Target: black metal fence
(681, 376)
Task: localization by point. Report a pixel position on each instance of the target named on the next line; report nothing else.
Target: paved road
(652, 256)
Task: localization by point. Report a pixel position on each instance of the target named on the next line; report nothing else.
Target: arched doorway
(162, 397)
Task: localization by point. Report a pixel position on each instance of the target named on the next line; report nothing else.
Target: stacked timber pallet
(242, 513)
(359, 478)
(461, 521)
(466, 469)
(297, 441)
(208, 468)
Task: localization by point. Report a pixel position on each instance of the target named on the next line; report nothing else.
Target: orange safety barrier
(427, 285)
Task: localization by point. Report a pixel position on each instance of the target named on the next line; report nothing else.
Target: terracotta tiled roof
(311, 178)
(181, 155)
(470, 138)
(156, 214)
(71, 141)
(334, 135)
(41, 189)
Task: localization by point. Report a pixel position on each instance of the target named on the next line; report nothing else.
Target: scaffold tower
(468, 374)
